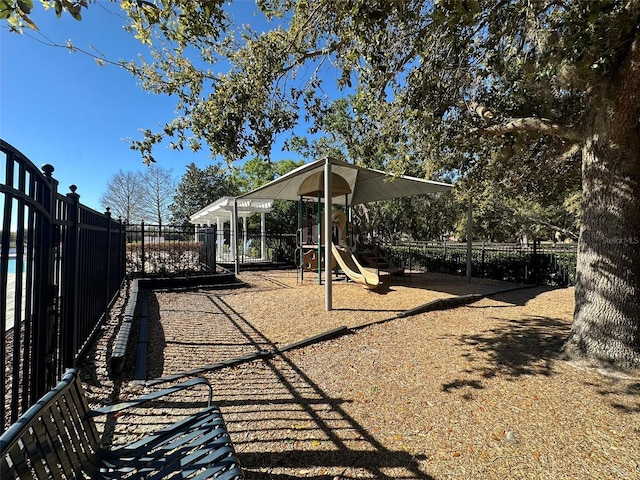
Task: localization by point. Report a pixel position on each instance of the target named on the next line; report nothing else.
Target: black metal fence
(194, 249)
(541, 263)
(61, 264)
(170, 249)
(255, 248)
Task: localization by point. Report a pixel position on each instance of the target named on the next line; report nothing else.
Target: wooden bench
(57, 439)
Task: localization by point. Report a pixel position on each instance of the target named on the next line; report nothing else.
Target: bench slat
(68, 425)
(79, 400)
(57, 443)
(174, 457)
(211, 414)
(205, 432)
(25, 456)
(44, 440)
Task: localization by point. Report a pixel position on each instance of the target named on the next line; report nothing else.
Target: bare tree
(124, 196)
(159, 187)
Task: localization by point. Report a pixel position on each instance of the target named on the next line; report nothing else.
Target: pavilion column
(220, 235)
(244, 234)
(263, 236)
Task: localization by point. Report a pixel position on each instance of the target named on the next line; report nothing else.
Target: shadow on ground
(282, 423)
(525, 346)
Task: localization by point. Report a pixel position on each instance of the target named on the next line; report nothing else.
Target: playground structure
(312, 238)
(368, 278)
(357, 184)
(310, 251)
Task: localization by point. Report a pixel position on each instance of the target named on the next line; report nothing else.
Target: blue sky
(63, 108)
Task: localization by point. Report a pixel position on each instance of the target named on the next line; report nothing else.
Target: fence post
(469, 240)
(44, 319)
(214, 248)
(204, 235)
(536, 263)
(69, 322)
(142, 244)
(108, 276)
(122, 261)
(444, 257)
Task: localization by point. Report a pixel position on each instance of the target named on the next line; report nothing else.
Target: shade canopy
(365, 185)
(313, 185)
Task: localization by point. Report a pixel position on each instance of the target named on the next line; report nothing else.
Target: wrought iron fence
(61, 264)
(542, 263)
(256, 248)
(194, 249)
(170, 249)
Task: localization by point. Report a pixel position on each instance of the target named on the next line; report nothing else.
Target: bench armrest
(151, 396)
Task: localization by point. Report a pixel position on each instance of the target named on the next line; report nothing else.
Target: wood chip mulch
(474, 392)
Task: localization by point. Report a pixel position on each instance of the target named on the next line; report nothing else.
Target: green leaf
(5, 10)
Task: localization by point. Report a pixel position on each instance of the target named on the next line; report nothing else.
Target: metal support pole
(469, 239)
(327, 237)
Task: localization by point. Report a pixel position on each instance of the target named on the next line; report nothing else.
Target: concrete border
(159, 283)
(452, 302)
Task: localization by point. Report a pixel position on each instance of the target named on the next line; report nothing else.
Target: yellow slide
(352, 269)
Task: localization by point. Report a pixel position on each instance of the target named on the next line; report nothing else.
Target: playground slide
(353, 269)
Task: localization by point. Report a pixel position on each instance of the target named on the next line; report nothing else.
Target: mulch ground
(474, 392)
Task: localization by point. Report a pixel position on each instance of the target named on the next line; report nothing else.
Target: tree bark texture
(606, 323)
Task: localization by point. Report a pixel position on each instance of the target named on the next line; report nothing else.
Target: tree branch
(532, 124)
(567, 232)
(524, 124)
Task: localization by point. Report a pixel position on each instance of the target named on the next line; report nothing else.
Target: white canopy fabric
(367, 185)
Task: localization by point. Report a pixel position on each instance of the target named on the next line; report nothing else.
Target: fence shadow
(156, 338)
(283, 424)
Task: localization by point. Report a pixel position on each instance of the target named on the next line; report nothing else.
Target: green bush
(556, 268)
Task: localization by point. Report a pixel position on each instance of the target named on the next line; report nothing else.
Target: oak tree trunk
(606, 322)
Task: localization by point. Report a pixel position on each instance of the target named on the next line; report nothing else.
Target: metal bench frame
(57, 438)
